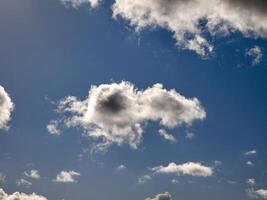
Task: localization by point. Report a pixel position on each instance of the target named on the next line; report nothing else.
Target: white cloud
(144, 179)
(77, 3)
(167, 136)
(52, 127)
(249, 163)
(20, 196)
(190, 136)
(32, 174)
(2, 178)
(183, 19)
(251, 181)
(217, 162)
(67, 176)
(189, 168)
(252, 152)
(121, 167)
(174, 181)
(6, 107)
(256, 54)
(116, 113)
(24, 183)
(162, 196)
(261, 193)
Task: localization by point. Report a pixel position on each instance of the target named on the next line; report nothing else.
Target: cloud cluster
(194, 23)
(67, 177)
(189, 168)
(6, 107)
(20, 196)
(256, 53)
(167, 136)
(116, 113)
(33, 174)
(24, 183)
(261, 193)
(77, 3)
(144, 179)
(250, 153)
(192, 20)
(162, 196)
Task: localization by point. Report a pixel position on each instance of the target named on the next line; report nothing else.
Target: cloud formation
(116, 113)
(162, 196)
(33, 174)
(256, 54)
(67, 177)
(6, 107)
(144, 179)
(20, 196)
(166, 135)
(24, 183)
(261, 193)
(77, 3)
(194, 23)
(189, 168)
(250, 153)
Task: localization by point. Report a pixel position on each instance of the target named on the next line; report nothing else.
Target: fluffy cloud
(6, 107)
(251, 181)
(144, 179)
(32, 174)
(52, 127)
(189, 168)
(2, 177)
(121, 167)
(77, 3)
(252, 152)
(166, 135)
(190, 136)
(115, 113)
(261, 193)
(162, 196)
(191, 20)
(256, 54)
(67, 176)
(24, 183)
(193, 23)
(20, 196)
(249, 163)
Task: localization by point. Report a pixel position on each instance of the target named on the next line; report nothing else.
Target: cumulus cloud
(251, 181)
(77, 3)
(190, 136)
(121, 167)
(189, 168)
(251, 152)
(52, 127)
(116, 113)
(67, 177)
(2, 178)
(24, 183)
(144, 179)
(20, 196)
(6, 107)
(249, 163)
(32, 174)
(162, 196)
(166, 135)
(256, 54)
(260, 193)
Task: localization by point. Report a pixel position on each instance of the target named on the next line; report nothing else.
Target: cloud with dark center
(116, 113)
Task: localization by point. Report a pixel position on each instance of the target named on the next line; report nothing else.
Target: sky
(133, 100)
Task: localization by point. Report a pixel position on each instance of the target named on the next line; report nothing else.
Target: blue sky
(50, 50)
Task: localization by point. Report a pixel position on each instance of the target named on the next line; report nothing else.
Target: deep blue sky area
(49, 51)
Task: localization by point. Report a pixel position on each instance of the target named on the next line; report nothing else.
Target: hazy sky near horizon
(124, 99)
